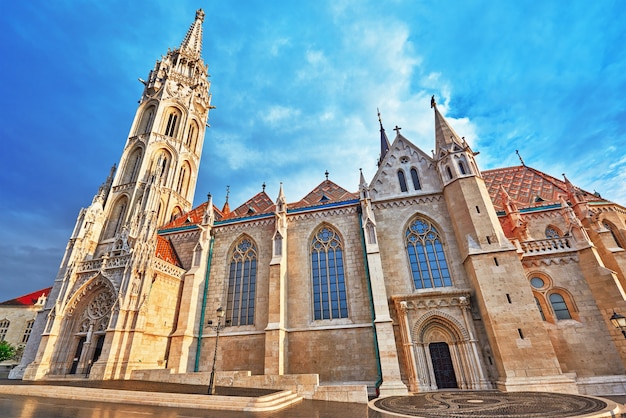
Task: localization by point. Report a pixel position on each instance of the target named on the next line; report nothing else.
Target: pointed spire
(226, 208)
(192, 44)
(281, 202)
(384, 141)
(444, 134)
(209, 215)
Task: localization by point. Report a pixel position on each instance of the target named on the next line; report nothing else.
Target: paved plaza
(441, 404)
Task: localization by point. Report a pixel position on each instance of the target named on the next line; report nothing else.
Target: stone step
(271, 402)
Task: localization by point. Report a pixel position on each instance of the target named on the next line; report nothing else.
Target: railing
(104, 263)
(547, 246)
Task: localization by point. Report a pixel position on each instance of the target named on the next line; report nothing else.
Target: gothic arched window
(183, 179)
(614, 233)
(552, 232)
(329, 286)
(416, 179)
(428, 261)
(172, 119)
(402, 180)
(242, 284)
(116, 218)
(146, 121)
(462, 168)
(132, 166)
(27, 331)
(192, 137)
(559, 306)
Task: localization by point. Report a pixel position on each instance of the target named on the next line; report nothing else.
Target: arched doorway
(84, 327)
(442, 365)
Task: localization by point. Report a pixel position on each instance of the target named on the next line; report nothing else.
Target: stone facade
(431, 275)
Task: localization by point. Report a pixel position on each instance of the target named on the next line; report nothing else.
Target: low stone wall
(305, 385)
(602, 385)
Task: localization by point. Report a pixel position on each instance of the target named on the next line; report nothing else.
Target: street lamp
(619, 321)
(217, 328)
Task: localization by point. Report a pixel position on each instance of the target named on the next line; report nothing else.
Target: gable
(402, 158)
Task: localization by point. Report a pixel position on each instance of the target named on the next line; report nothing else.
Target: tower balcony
(104, 263)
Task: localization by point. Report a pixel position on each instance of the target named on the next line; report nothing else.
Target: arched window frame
(116, 217)
(242, 278)
(133, 164)
(147, 118)
(426, 254)
(171, 122)
(542, 295)
(330, 300)
(552, 232)
(416, 180)
(462, 168)
(615, 233)
(558, 296)
(449, 173)
(183, 179)
(402, 181)
(192, 136)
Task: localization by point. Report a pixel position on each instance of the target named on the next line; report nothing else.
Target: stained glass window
(242, 284)
(329, 286)
(428, 261)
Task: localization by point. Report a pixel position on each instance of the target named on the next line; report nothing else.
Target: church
(432, 275)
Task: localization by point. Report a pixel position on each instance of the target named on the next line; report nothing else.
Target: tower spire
(384, 141)
(192, 44)
(444, 134)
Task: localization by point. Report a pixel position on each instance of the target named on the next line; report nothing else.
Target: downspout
(369, 289)
(196, 366)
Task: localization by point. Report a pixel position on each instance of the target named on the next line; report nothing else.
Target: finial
(397, 129)
(200, 15)
(433, 103)
(326, 174)
(520, 158)
(227, 193)
(380, 121)
(263, 186)
(208, 197)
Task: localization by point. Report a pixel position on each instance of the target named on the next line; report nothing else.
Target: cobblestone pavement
(489, 404)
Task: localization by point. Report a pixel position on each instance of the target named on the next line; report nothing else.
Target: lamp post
(217, 328)
(619, 322)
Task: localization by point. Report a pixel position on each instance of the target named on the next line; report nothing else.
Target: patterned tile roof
(527, 187)
(29, 299)
(165, 251)
(193, 217)
(325, 192)
(258, 205)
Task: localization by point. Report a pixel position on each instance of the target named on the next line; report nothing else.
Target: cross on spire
(397, 129)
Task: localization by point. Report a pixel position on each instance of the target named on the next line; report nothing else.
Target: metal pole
(217, 337)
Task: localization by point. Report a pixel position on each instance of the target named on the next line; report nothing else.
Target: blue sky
(296, 86)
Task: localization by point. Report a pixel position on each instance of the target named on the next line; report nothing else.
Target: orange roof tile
(165, 251)
(527, 187)
(325, 192)
(259, 204)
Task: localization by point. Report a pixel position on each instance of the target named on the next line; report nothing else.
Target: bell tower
(116, 274)
(521, 348)
(158, 169)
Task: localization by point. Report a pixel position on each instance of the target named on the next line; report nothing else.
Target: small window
(4, 328)
(462, 168)
(537, 283)
(27, 331)
(449, 172)
(416, 180)
(552, 233)
(402, 180)
(559, 306)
